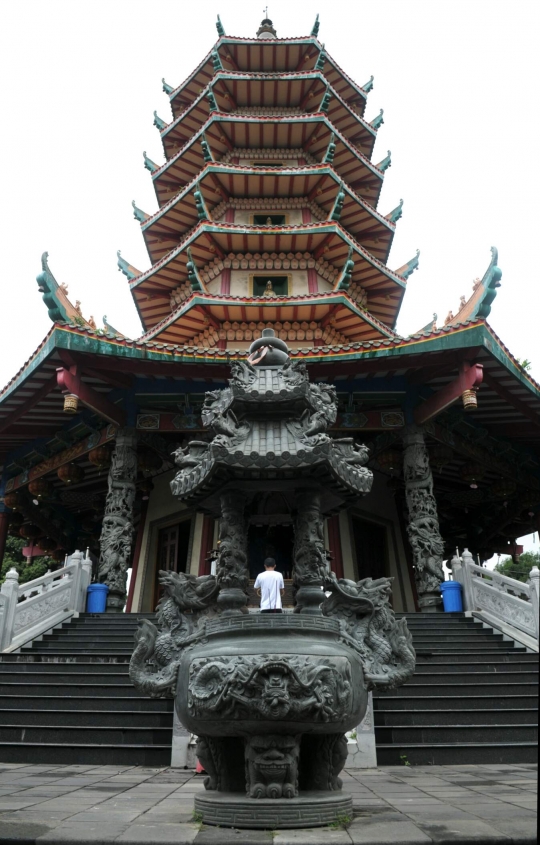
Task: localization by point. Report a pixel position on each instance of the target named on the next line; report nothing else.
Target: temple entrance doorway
(370, 547)
(172, 552)
(275, 541)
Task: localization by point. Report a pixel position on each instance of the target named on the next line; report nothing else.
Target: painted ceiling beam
(470, 376)
(26, 406)
(70, 382)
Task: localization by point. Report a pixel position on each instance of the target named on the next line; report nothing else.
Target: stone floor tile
(442, 814)
(160, 834)
(22, 831)
(227, 836)
(462, 829)
(71, 833)
(374, 832)
(500, 810)
(519, 829)
(315, 836)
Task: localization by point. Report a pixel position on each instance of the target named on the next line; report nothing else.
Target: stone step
(50, 657)
(436, 701)
(41, 648)
(26, 668)
(434, 734)
(26, 687)
(510, 716)
(83, 702)
(88, 718)
(427, 667)
(439, 754)
(91, 735)
(494, 688)
(480, 677)
(94, 755)
(473, 658)
(65, 677)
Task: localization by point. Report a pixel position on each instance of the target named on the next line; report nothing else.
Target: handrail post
(86, 578)
(9, 589)
(468, 590)
(534, 584)
(75, 558)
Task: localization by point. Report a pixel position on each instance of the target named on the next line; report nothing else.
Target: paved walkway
(105, 804)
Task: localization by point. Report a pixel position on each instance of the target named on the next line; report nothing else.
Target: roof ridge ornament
(202, 210)
(212, 102)
(407, 269)
(377, 121)
(129, 271)
(193, 273)
(149, 164)
(219, 27)
(315, 31)
(368, 85)
(206, 151)
(138, 214)
(338, 204)
(385, 163)
(325, 102)
(161, 125)
(216, 61)
(321, 60)
(168, 89)
(396, 213)
(346, 274)
(330, 150)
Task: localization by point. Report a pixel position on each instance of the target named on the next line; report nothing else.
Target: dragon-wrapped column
(232, 572)
(423, 527)
(310, 561)
(117, 530)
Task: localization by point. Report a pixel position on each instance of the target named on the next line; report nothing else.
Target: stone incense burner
(270, 697)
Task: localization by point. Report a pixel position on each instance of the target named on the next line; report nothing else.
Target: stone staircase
(68, 699)
(473, 698)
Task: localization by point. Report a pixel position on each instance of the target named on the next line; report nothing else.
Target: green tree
(13, 556)
(520, 568)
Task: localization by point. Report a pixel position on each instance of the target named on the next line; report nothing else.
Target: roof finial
(266, 29)
(219, 27)
(315, 30)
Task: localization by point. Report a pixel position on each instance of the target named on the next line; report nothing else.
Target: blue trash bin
(451, 596)
(96, 598)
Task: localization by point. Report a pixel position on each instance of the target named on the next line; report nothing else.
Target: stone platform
(476, 805)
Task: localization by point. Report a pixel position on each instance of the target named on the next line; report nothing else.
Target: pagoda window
(266, 219)
(266, 285)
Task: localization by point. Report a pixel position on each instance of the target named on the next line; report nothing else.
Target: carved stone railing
(30, 610)
(512, 603)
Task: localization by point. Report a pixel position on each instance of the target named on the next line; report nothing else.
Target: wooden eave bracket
(470, 377)
(70, 382)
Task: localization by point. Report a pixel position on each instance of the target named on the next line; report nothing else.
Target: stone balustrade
(510, 602)
(30, 610)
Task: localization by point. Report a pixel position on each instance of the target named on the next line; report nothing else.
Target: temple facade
(268, 218)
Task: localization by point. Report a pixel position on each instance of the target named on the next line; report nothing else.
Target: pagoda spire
(266, 30)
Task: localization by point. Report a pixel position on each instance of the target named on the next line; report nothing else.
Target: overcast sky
(80, 80)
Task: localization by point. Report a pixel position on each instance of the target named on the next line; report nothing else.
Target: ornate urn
(270, 697)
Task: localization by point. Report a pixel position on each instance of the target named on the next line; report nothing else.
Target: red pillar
(312, 280)
(4, 522)
(229, 215)
(136, 554)
(306, 215)
(334, 541)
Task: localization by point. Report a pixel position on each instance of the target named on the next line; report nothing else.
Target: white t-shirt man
(270, 586)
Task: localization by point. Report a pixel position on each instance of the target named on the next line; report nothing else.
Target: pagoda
(268, 221)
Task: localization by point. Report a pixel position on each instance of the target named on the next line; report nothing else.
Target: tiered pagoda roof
(268, 171)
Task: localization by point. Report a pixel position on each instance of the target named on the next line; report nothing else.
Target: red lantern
(30, 531)
(70, 473)
(13, 500)
(39, 488)
(100, 457)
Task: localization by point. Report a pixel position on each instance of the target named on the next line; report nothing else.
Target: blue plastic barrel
(96, 598)
(451, 596)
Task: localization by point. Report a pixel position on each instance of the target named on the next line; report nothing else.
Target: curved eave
(218, 183)
(312, 133)
(235, 91)
(189, 318)
(151, 290)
